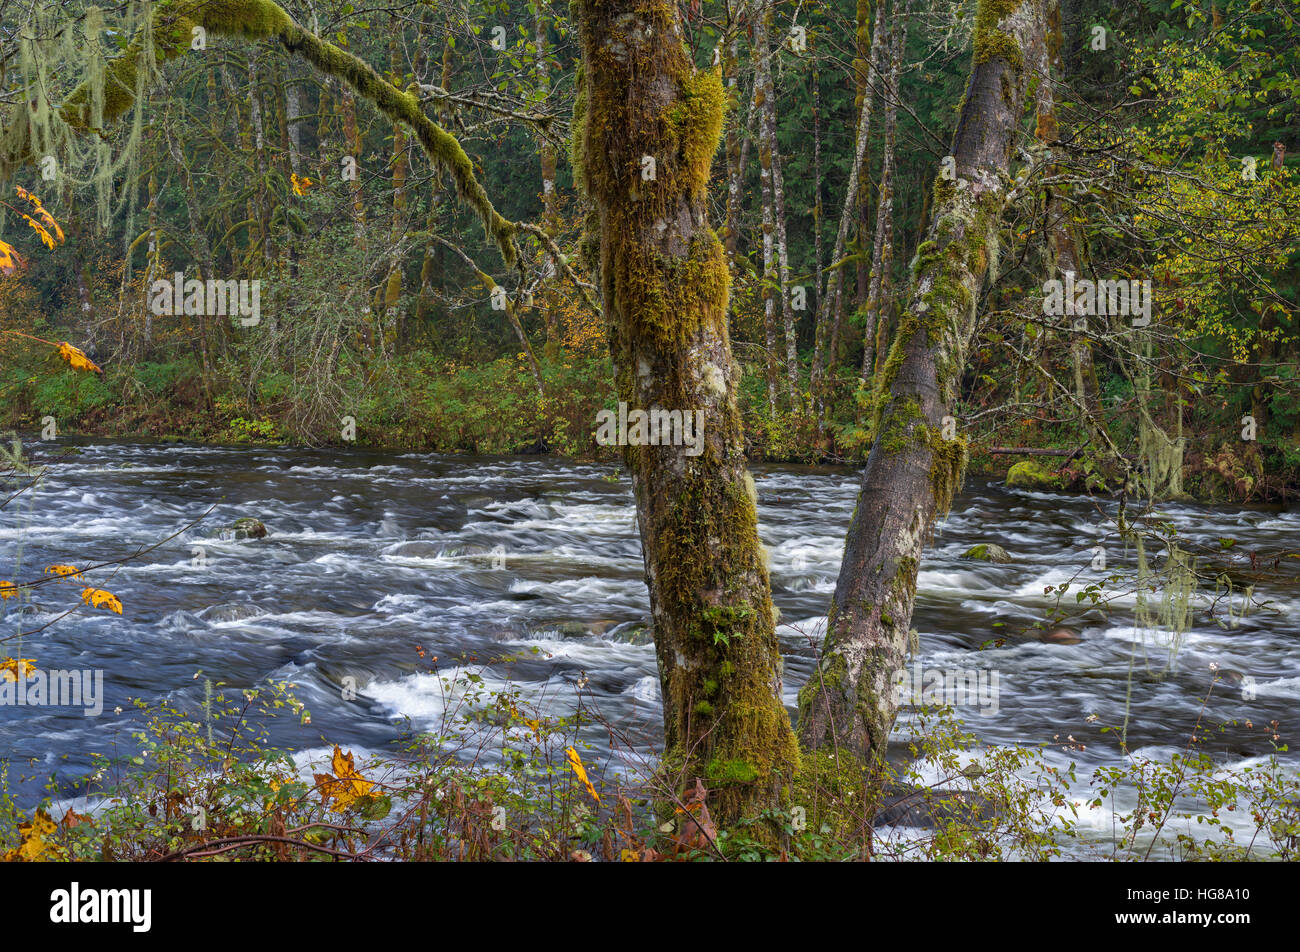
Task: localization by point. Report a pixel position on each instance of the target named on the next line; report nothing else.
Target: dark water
(369, 555)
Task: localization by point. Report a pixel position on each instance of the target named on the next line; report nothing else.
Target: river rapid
(478, 560)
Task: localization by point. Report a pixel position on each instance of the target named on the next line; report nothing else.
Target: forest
(640, 430)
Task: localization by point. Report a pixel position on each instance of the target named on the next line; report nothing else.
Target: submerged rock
(987, 552)
(416, 550)
(1061, 635)
(927, 808)
(234, 611)
(632, 633)
(248, 528)
(572, 629)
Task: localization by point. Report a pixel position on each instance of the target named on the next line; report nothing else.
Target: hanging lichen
(1159, 453)
(53, 50)
(1162, 611)
(78, 133)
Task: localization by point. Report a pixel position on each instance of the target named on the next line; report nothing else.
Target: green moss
(986, 552)
(578, 133)
(1031, 475)
(704, 708)
(991, 42)
(735, 770)
(833, 792)
(926, 254)
(947, 470)
(666, 297)
(896, 433)
(997, 43)
(695, 124)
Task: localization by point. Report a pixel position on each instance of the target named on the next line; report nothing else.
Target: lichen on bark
(913, 471)
(646, 127)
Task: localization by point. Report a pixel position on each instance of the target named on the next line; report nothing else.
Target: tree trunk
(830, 311)
(1062, 248)
(882, 251)
(390, 291)
(864, 89)
(664, 280)
(819, 280)
(546, 153)
(770, 150)
(912, 472)
(766, 178)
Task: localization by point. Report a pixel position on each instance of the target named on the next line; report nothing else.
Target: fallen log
(1034, 451)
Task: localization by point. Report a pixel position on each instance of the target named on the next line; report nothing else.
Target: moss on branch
(173, 24)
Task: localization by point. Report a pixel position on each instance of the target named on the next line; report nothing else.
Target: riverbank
(420, 405)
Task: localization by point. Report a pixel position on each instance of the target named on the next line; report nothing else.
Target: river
(369, 555)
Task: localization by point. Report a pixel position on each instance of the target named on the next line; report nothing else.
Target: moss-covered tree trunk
(647, 124)
(912, 471)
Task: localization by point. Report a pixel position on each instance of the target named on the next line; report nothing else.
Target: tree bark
(771, 285)
(864, 90)
(830, 312)
(664, 279)
(770, 154)
(882, 251)
(912, 473)
(547, 155)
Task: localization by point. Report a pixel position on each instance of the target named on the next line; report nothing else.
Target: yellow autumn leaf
(581, 772)
(301, 183)
(42, 214)
(33, 845)
(77, 359)
(10, 259)
(345, 786)
(99, 598)
(63, 571)
(15, 668)
(533, 725)
(50, 223)
(8, 589)
(46, 238)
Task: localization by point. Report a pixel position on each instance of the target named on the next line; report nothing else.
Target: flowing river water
(369, 555)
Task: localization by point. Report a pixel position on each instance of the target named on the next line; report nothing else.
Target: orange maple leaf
(346, 786)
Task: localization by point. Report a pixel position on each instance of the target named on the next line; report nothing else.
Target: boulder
(1060, 635)
(248, 528)
(987, 552)
(1031, 475)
